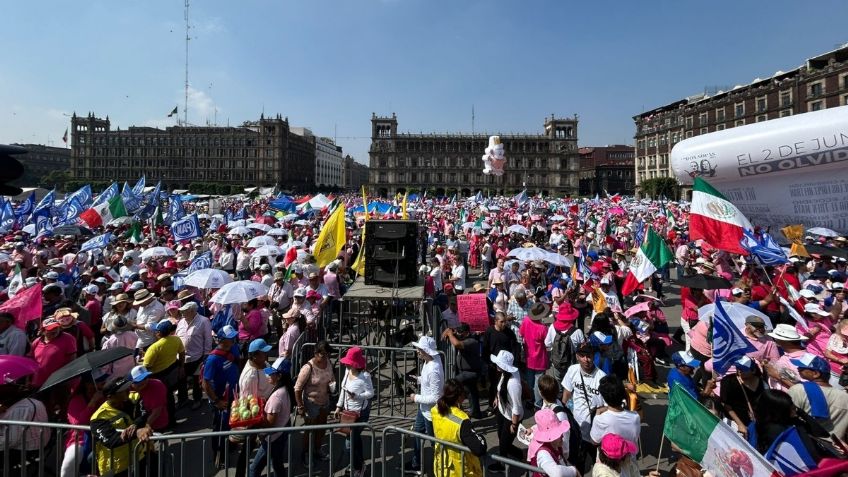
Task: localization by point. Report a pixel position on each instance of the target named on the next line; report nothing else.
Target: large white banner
(790, 170)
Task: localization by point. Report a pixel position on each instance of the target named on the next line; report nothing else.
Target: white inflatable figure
(494, 160)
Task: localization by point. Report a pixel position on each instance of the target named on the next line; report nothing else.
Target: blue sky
(328, 64)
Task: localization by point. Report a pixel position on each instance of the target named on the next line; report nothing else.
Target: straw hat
(121, 298)
(142, 297)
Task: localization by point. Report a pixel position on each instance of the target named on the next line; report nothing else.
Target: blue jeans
(278, 457)
(532, 376)
(422, 426)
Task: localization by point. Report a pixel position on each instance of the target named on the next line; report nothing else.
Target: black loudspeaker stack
(391, 248)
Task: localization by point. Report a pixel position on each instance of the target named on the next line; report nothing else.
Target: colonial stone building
(820, 83)
(257, 153)
(41, 160)
(355, 174)
(606, 169)
(450, 163)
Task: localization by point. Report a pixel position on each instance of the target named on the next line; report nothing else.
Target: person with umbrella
(13, 340)
(118, 426)
(220, 378)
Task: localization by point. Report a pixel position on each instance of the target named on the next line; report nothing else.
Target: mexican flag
(104, 213)
(711, 443)
(715, 219)
(652, 255)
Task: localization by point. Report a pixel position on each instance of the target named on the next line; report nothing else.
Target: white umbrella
(157, 252)
(494, 207)
(202, 216)
(277, 232)
(823, 231)
(267, 251)
(237, 223)
(208, 278)
(257, 242)
(241, 291)
(508, 264)
(301, 222)
(558, 260)
(120, 221)
(262, 227)
(239, 231)
(556, 218)
(29, 229)
(519, 229)
(528, 254)
(737, 313)
(289, 217)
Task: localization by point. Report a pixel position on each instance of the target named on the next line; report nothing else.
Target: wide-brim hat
(121, 298)
(354, 358)
(427, 344)
(567, 313)
(539, 311)
(548, 427)
(141, 297)
(504, 360)
(784, 332)
(65, 316)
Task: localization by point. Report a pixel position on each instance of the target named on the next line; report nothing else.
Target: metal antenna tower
(187, 38)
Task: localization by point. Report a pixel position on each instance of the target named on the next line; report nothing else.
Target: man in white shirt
(581, 383)
(13, 340)
(150, 312)
(614, 418)
(243, 264)
(436, 273)
(432, 384)
(128, 268)
(458, 278)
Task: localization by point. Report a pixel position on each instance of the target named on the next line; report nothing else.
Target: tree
(55, 178)
(661, 187)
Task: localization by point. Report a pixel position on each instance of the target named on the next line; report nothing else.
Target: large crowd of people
(563, 344)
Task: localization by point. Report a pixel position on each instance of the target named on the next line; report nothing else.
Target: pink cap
(616, 447)
(173, 305)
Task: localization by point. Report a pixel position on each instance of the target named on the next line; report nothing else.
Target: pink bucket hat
(548, 428)
(354, 358)
(173, 305)
(616, 447)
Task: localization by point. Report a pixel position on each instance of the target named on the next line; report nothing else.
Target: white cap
(807, 293)
(813, 308)
(737, 291)
(605, 281)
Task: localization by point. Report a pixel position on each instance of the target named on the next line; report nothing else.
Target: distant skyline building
(607, 169)
(820, 83)
(257, 153)
(355, 174)
(41, 160)
(450, 163)
(329, 160)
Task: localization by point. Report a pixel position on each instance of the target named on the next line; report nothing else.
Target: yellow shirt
(163, 353)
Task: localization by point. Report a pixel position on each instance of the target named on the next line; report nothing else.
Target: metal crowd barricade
(388, 367)
(44, 460)
(190, 453)
(393, 462)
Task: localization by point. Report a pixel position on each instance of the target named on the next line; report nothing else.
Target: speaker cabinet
(391, 251)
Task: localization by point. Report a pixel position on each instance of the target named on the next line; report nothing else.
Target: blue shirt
(686, 382)
(222, 374)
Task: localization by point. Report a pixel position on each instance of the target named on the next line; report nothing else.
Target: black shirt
(494, 341)
(732, 396)
(468, 358)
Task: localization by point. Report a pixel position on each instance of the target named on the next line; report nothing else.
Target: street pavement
(198, 458)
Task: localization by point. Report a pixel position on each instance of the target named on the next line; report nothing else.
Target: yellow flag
(794, 234)
(599, 301)
(365, 203)
(332, 238)
(403, 213)
(359, 264)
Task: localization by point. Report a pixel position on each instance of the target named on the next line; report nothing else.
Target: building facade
(820, 83)
(41, 160)
(448, 164)
(355, 174)
(329, 160)
(607, 169)
(257, 153)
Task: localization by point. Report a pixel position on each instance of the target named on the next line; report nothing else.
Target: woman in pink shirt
(52, 350)
(533, 331)
(250, 323)
(87, 397)
(818, 332)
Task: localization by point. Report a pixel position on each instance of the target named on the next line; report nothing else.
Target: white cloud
(201, 108)
(208, 25)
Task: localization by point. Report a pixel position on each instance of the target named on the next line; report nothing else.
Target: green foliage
(661, 187)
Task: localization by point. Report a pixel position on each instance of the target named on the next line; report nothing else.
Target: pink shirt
(126, 339)
(817, 344)
(534, 333)
(279, 404)
(153, 396)
(79, 414)
(52, 356)
(698, 339)
(254, 325)
(785, 366)
(331, 281)
(288, 340)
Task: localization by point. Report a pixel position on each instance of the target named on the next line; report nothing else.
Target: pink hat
(313, 295)
(173, 305)
(566, 312)
(354, 358)
(548, 428)
(616, 447)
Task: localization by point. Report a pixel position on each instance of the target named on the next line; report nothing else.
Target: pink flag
(25, 306)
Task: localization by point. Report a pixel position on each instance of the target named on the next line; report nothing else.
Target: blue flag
(7, 217)
(200, 262)
(228, 216)
(100, 241)
(640, 232)
(186, 229)
(223, 318)
(107, 194)
(178, 280)
(132, 202)
(729, 344)
(25, 208)
(43, 225)
(764, 249)
(789, 454)
(175, 208)
(46, 201)
(69, 212)
(241, 214)
(138, 188)
(521, 198)
(83, 196)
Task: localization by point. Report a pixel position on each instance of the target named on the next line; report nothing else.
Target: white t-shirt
(458, 273)
(572, 383)
(546, 462)
(627, 424)
(513, 390)
(436, 273)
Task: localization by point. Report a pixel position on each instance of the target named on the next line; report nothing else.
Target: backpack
(575, 438)
(562, 351)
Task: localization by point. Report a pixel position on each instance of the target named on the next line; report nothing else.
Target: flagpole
(659, 454)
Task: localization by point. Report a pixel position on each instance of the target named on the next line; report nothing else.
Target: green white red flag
(702, 437)
(715, 219)
(104, 213)
(651, 256)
